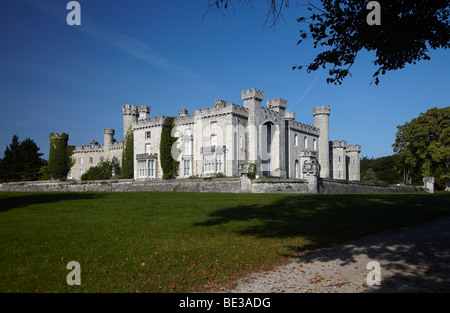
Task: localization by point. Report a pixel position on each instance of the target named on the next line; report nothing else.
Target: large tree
(423, 145)
(408, 30)
(128, 154)
(21, 161)
(60, 156)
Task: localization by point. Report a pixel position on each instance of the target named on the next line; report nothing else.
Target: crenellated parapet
(144, 112)
(323, 110)
(354, 148)
(303, 128)
(289, 115)
(252, 94)
(339, 144)
(277, 103)
(128, 109)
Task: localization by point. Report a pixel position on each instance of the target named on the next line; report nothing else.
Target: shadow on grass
(333, 220)
(20, 200)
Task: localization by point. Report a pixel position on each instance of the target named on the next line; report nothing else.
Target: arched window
(314, 144)
(305, 142)
(295, 140)
(296, 169)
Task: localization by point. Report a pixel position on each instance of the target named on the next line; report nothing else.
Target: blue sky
(169, 55)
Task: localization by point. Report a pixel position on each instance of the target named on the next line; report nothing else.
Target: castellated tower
(108, 137)
(353, 156)
(252, 102)
(277, 105)
(339, 160)
(130, 115)
(321, 121)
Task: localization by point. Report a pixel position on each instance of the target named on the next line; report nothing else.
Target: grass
(179, 242)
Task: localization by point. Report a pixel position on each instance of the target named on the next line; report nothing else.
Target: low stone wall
(336, 186)
(195, 185)
(223, 185)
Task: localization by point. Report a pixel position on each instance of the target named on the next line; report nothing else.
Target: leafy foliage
(102, 171)
(60, 156)
(127, 156)
(423, 145)
(168, 163)
(21, 161)
(385, 169)
(370, 176)
(408, 30)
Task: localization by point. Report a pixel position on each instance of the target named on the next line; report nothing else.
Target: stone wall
(223, 185)
(336, 186)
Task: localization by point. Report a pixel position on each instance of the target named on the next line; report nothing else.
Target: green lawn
(177, 242)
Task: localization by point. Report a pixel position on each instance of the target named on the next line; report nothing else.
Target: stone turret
(339, 165)
(130, 116)
(277, 105)
(108, 137)
(353, 155)
(289, 115)
(321, 121)
(144, 112)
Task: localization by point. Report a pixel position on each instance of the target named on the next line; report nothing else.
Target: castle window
(219, 162)
(187, 167)
(188, 132)
(314, 144)
(81, 172)
(213, 125)
(91, 160)
(151, 168)
(102, 158)
(148, 135)
(295, 140)
(296, 169)
(208, 163)
(141, 168)
(305, 142)
(214, 140)
(187, 147)
(69, 175)
(147, 148)
(81, 160)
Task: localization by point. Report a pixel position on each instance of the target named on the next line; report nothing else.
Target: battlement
(252, 94)
(62, 136)
(354, 148)
(152, 121)
(303, 128)
(128, 109)
(109, 131)
(144, 112)
(220, 103)
(324, 110)
(277, 103)
(339, 144)
(289, 115)
(182, 112)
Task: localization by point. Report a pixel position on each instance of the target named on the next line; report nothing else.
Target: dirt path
(412, 260)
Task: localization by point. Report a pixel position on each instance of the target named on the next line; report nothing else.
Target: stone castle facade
(230, 140)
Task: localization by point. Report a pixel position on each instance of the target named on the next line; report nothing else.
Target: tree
(21, 161)
(423, 145)
(370, 176)
(60, 156)
(408, 30)
(128, 155)
(100, 172)
(168, 163)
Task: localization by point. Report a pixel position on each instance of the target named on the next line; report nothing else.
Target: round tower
(321, 121)
(108, 137)
(130, 116)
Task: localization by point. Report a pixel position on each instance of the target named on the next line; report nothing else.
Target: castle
(230, 140)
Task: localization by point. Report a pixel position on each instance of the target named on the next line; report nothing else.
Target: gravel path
(412, 260)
